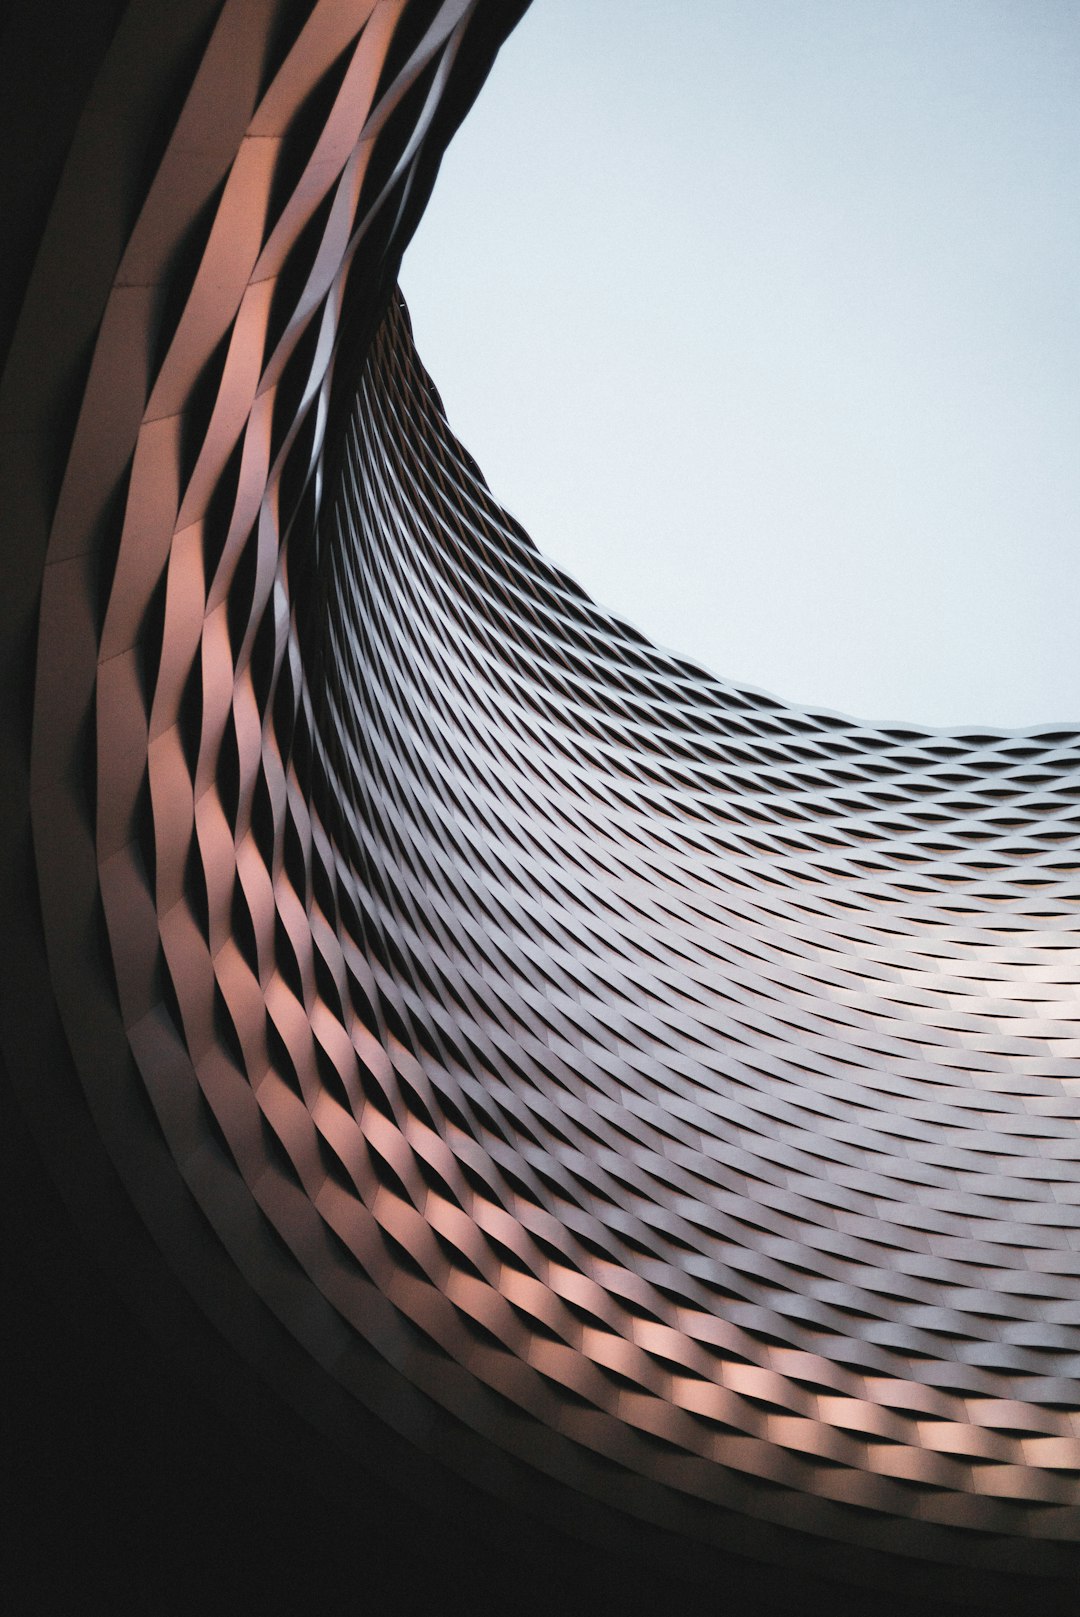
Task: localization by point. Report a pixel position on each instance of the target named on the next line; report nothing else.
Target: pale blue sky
(764, 319)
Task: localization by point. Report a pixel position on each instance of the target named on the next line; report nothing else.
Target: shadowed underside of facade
(617, 1116)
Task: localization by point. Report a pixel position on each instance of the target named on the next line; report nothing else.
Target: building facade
(546, 1095)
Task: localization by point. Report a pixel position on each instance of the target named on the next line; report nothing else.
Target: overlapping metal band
(677, 1090)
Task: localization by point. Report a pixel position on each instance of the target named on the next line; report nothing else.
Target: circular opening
(763, 321)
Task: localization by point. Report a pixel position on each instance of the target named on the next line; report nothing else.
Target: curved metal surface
(628, 1088)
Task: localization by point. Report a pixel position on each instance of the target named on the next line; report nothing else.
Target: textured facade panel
(653, 1104)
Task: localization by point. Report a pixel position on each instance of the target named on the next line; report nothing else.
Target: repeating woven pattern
(753, 1032)
(678, 1090)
